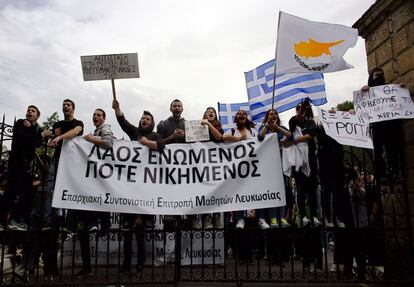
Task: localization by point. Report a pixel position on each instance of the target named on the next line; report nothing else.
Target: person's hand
(365, 88)
(115, 104)
(205, 122)
(46, 133)
(270, 124)
(243, 137)
(179, 133)
(287, 143)
(26, 123)
(143, 141)
(54, 142)
(403, 85)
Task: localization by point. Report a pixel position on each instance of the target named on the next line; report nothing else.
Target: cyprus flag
(305, 46)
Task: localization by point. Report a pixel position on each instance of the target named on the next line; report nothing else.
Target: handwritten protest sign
(195, 131)
(384, 103)
(107, 67)
(346, 129)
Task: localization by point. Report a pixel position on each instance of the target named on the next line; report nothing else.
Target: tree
(47, 125)
(345, 106)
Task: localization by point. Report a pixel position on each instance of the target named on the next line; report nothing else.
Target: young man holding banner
(387, 136)
(172, 130)
(66, 129)
(144, 135)
(88, 220)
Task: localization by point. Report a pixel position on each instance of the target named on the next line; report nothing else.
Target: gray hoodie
(104, 131)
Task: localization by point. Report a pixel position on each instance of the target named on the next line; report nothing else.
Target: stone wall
(388, 29)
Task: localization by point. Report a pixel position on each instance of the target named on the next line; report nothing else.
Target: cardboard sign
(196, 132)
(113, 66)
(384, 103)
(346, 129)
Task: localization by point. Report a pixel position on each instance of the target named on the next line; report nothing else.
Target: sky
(193, 50)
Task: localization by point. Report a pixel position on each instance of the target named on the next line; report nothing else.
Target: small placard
(195, 131)
(384, 103)
(113, 66)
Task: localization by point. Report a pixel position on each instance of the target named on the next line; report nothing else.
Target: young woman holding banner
(271, 124)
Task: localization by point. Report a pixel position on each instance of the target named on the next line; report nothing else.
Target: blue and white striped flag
(291, 89)
(227, 112)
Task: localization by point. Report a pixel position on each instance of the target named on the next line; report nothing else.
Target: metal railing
(50, 254)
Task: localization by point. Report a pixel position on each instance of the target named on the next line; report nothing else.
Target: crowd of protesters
(320, 189)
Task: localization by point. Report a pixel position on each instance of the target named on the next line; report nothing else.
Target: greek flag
(227, 112)
(291, 89)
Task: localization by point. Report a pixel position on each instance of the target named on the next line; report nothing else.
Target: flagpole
(274, 70)
(248, 100)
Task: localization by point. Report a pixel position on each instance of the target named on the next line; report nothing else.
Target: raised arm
(215, 132)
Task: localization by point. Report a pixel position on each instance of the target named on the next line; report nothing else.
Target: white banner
(106, 67)
(183, 179)
(346, 129)
(384, 103)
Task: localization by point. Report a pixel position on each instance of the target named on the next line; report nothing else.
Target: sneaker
(305, 221)
(340, 224)
(207, 223)
(284, 223)
(263, 224)
(240, 224)
(67, 234)
(328, 223)
(46, 228)
(316, 221)
(196, 224)
(93, 228)
(17, 226)
(126, 227)
(273, 223)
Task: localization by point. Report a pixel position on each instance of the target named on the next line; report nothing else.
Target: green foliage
(4, 153)
(345, 106)
(47, 125)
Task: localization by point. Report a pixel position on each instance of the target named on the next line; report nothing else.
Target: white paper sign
(195, 131)
(346, 129)
(196, 178)
(113, 66)
(384, 103)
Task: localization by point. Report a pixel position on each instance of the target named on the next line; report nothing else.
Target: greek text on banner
(183, 179)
